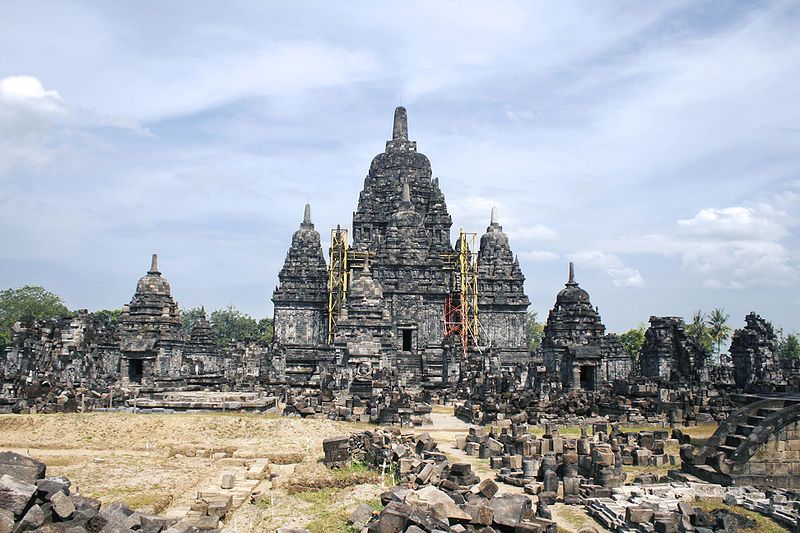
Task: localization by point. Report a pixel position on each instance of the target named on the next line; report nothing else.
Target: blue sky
(656, 144)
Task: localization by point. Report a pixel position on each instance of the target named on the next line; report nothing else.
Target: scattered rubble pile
(581, 466)
(434, 494)
(31, 501)
(636, 400)
(669, 507)
(392, 408)
(457, 505)
(415, 459)
(783, 506)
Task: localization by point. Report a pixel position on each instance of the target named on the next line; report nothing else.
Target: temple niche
(364, 338)
(502, 303)
(151, 339)
(401, 227)
(576, 351)
(754, 352)
(669, 354)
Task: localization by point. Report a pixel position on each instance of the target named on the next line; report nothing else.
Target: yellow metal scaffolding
(461, 306)
(342, 260)
(337, 278)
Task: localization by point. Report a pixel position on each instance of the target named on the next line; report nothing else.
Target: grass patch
(310, 476)
(573, 517)
(763, 523)
(325, 513)
(442, 409)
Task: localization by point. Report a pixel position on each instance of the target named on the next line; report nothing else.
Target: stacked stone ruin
(670, 354)
(86, 361)
(754, 353)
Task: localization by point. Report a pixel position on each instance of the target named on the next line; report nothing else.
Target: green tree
(189, 318)
(266, 329)
(109, 316)
(633, 340)
(29, 301)
(789, 345)
(718, 328)
(534, 331)
(698, 330)
(231, 325)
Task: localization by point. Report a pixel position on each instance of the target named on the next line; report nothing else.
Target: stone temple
(399, 284)
(575, 349)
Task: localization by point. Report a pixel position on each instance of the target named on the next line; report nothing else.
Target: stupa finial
(400, 129)
(571, 274)
(154, 265)
(494, 215)
(307, 214)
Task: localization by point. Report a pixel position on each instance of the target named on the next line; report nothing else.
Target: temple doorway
(135, 370)
(406, 340)
(588, 373)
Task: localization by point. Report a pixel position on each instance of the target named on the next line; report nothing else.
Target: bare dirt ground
(157, 463)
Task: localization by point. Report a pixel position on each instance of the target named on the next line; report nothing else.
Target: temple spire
(571, 274)
(154, 265)
(494, 215)
(307, 214)
(400, 129)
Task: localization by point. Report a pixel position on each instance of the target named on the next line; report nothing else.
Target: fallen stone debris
(31, 501)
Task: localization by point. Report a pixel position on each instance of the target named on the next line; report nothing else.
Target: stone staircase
(735, 439)
(239, 480)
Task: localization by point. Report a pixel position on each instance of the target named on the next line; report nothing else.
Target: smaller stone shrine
(151, 340)
(201, 355)
(754, 352)
(301, 301)
(576, 351)
(502, 302)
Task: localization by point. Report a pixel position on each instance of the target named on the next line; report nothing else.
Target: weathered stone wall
(777, 461)
(754, 352)
(303, 326)
(670, 354)
(80, 350)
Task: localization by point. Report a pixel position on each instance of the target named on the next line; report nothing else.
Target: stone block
(508, 509)
(62, 505)
(360, 516)
(21, 467)
(15, 495)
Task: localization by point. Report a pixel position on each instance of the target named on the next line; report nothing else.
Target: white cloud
(536, 232)
(611, 265)
(731, 247)
(37, 124)
(760, 222)
(539, 256)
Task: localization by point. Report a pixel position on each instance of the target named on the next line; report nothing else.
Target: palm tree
(698, 330)
(718, 328)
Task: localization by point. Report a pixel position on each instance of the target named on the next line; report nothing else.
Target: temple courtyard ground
(159, 463)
